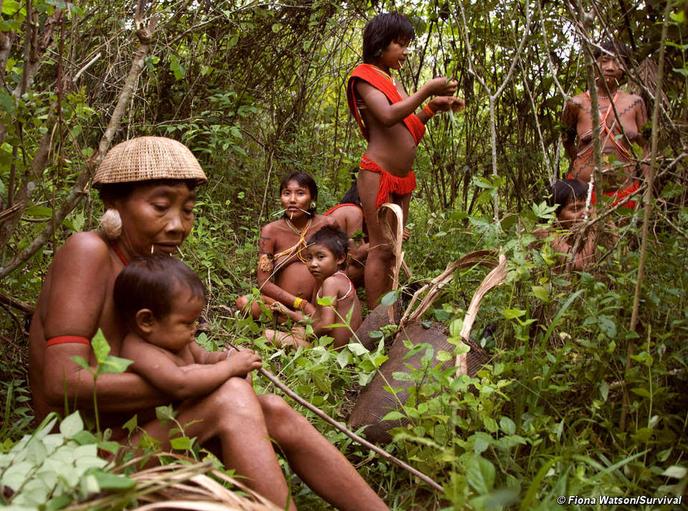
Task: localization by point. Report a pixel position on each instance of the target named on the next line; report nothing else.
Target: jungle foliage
(577, 398)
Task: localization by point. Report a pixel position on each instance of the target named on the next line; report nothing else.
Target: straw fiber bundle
(374, 402)
(178, 485)
(148, 158)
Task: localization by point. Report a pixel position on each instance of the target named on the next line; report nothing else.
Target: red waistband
(618, 195)
(389, 183)
(68, 339)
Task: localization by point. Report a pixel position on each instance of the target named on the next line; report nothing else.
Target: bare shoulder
(84, 248)
(320, 221)
(577, 101)
(365, 90)
(333, 286)
(634, 100)
(330, 221)
(270, 229)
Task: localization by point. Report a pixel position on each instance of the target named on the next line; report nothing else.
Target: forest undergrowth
(540, 420)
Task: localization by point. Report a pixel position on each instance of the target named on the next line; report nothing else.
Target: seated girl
(349, 216)
(325, 256)
(160, 299)
(569, 195)
(282, 274)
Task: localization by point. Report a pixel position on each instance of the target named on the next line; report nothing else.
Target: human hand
(442, 86)
(243, 362)
(446, 103)
(279, 308)
(406, 234)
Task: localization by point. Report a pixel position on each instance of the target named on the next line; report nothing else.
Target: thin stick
(353, 436)
(647, 205)
(88, 64)
(356, 438)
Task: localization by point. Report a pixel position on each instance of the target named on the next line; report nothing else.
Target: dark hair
(382, 30)
(617, 49)
(333, 239)
(151, 282)
(351, 196)
(567, 190)
(302, 179)
(110, 192)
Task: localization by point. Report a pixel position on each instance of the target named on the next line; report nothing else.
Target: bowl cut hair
(383, 29)
(305, 180)
(152, 282)
(333, 239)
(565, 191)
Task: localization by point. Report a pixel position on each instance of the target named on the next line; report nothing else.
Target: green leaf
(604, 390)
(541, 293)
(607, 326)
(678, 17)
(100, 346)
(394, 415)
(108, 481)
(71, 425)
(81, 362)
(164, 413)
(326, 301)
(115, 365)
(344, 358)
(357, 348)
(58, 503)
(131, 424)
(455, 328)
(109, 446)
(84, 437)
(507, 425)
(389, 298)
(444, 356)
(513, 313)
(39, 212)
(481, 441)
(182, 443)
(675, 472)
(490, 424)
(7, 102)
(10, 7)
(177, 68)
(480, 474)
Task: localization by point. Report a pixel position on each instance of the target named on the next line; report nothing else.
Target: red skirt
(389, 183)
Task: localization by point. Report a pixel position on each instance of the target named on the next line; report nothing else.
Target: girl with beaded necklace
(282, 274)
(334, 296)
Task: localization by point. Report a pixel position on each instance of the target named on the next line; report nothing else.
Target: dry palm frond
(432, 289)
(395, 238)
(492, 280)
(181, 484)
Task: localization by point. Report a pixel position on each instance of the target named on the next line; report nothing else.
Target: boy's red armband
(68, 339)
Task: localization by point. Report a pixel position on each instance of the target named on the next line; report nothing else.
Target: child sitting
(160, 300)
(569, 195)
(325, 258)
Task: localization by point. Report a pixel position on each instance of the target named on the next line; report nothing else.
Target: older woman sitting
(148, 186)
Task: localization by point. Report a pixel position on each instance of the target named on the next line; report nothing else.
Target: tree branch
(79, 189)
(647, 204)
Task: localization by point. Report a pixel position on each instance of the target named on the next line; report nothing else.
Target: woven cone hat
(148, 158)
